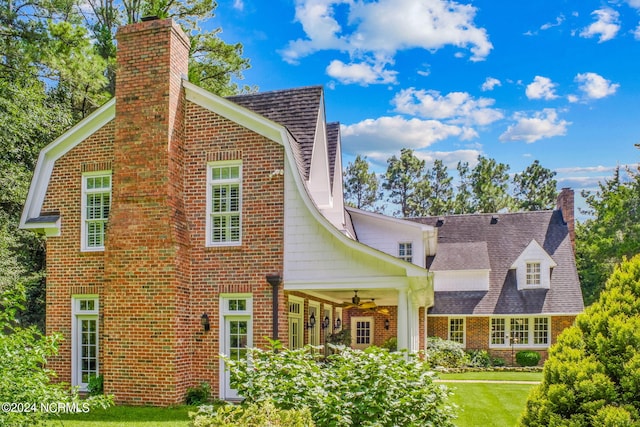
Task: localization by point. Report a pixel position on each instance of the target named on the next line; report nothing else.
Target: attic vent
(494, 219)
(440, 222)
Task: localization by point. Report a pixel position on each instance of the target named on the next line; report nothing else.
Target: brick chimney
(565, 203)
(146, 297)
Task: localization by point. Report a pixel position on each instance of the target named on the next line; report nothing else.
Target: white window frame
(354, 332)
(463, 331)
(85, 221)
(211, 183)
(299, 316)
(78, 314)
(530, 331)
(229, 313)
(314, 333)
(405, 251)
(535, 276)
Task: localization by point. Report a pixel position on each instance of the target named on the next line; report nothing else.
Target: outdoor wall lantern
(337, 323)
(386, 324)
(312, 321)
(204, 321)
(325, 322)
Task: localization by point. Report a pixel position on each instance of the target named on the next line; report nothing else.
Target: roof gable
(533, 252)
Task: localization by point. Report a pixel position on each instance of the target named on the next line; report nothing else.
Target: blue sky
(552, 80)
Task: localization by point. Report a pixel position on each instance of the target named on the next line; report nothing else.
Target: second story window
(533, 274)
(224, 203)
(96, 204)
(405, 251)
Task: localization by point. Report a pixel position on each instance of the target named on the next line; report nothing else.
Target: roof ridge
(276, 91)
(480, 214)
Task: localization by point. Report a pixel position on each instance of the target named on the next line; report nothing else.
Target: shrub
(95, 387)
(446, 354)
(350, 388)
(198, 395)
(498, 362)
(527, 358)
(479, 359)
(592, 375)
(390, 344)
(254, 415)
(24, 379)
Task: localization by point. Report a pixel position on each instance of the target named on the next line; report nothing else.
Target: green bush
(592, 375)
(254, 415)
(445, 354)
(527, 358)
(24, 379)
(479, 359)
(390, 344)
(96, 385)
(350, 388)
(498, 362)
(198, 395)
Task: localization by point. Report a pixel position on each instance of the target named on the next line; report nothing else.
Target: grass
(493, 376)
(490, 404)
(127, 416)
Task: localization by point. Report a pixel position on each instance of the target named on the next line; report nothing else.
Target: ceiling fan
(370, 304)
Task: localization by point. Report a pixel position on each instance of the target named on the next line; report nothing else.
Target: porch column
(414, 327)
(403, 320)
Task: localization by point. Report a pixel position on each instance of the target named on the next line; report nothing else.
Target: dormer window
(533, 267)
(533, 274)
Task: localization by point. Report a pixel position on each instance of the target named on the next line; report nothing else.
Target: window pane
(456, 330)
(497, 331)
(541, 331)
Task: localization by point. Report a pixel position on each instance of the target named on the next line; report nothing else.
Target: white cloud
(541, 88)
(450, 158)
(559, 21)
(490, 83)
(238, 4)
(543, 124)
(606, 26)
(376, 30)
(634, 3)
(454, 107)
(595, 86)
(361, 73)
(636, 32)
(390, 134)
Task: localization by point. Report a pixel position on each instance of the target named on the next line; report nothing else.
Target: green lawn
(490, 404)
(493, 376)
(127, 416)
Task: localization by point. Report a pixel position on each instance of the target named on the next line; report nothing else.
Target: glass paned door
(362, 332)
(237, 338)
(88, 349)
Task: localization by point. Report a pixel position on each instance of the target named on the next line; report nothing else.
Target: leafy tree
(401, 179)
(360, 185)
(463, 200)
(213, 63)
(441, 199)
(611, 232)
(489, 185)
(592, 376)
(535, 188)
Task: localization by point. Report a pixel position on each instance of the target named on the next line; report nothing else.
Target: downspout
(274, 280)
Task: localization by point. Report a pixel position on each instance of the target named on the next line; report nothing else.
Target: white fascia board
(532, 251)
(234, 112)
(385, 218)
(348, 284)
(52, 152)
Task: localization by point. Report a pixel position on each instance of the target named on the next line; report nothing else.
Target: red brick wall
(235, 269)
(70, 271)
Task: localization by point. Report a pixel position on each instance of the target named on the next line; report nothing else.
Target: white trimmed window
(224, 203)
(405, 251)
(362, 332)
(456, 329)
(96, 204)
(84, 340)
(533, 274)
(236, 335)
(520, 332)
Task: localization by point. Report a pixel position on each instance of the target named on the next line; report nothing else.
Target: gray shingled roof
(506, 238)
(296, 109)
(461, 256)
(333, 134)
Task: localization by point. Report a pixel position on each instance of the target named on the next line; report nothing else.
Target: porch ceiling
(383, 297)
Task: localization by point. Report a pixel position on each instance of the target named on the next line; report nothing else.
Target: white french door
(236, 336)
